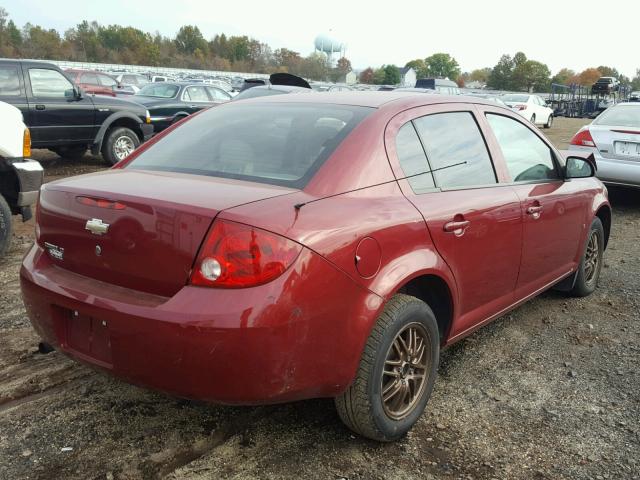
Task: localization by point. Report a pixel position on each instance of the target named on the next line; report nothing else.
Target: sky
(560, 33)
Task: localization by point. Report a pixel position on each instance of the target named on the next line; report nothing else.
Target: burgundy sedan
(298, 246)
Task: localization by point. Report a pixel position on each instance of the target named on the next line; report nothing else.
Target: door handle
(534, 211)
(457, 227)
(40, 107)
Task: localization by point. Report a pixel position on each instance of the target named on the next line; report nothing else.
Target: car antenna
(298, 206)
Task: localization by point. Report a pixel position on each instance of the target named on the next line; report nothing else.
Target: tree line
(92, 42)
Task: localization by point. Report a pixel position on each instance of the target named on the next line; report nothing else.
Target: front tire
(533, 118)
(118, 144)
(396, 373)
(5, 226)
(549, 121)
(590, 266)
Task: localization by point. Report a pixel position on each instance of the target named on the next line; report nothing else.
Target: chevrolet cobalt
(299, 246)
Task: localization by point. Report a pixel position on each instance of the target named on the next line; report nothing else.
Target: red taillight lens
(235, 255)
(521, 107)
(583, 138)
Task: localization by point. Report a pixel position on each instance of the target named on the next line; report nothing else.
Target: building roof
(404, 70)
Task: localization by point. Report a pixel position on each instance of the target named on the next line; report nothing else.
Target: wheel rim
(533, 119)
(406, 367)
(122, 147)
(592, 258)
(550, 122)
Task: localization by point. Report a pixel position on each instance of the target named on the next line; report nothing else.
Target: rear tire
(549, 122)
(387, 366)
(533, 118)
(5, 226)
(591, 263)
(118, 144)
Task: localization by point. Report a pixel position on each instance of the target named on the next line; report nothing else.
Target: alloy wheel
(406, 367)
(122, 147)
(592, 258)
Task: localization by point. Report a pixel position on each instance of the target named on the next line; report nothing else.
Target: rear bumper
(300, 336)
(613, 171)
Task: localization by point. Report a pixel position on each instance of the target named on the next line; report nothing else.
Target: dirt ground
(549, 391)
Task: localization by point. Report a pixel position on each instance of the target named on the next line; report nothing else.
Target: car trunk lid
(617, 143)
(137, 229)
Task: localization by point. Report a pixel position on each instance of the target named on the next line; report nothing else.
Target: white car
(614, 140)
(531, 107)
(20, 178)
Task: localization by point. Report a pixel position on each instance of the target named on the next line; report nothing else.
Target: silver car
(614, 139)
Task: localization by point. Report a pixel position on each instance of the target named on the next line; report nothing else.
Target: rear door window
(195, 94)
(413, 159)
(218, 95)
(10, 84)
(527, 157)
(456, 150)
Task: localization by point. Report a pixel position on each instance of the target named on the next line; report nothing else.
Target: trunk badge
(54, 250)
(98, 250)
(97, 226)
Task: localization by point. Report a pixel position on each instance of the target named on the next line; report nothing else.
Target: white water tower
(330, 46)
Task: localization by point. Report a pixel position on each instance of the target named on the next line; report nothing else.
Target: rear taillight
(583, 138)
(235, 255)
(521, 107)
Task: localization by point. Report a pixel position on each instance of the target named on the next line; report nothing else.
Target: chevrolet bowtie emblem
(97, 226)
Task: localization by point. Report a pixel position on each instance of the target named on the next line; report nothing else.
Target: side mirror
(578, 167)
(75, 93)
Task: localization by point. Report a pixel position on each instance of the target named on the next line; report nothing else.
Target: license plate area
(88, 336)
(627, 149)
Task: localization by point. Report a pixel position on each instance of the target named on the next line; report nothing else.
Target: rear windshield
(279, 144)
(515, 98)
(161, 91)
(620, 116)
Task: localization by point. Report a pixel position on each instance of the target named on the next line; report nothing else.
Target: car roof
(372, 99)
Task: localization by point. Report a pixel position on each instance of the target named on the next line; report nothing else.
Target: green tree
(529, 75)
(635, 83)
(315, 67)
(419, 66)
(500, 77)
(480, 75)
(189, 38)
(391, 75)
(563, 77)
(608, 71)
(442, 65)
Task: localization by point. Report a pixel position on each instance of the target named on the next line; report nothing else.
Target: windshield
(620, 116)
(280, 144)
(515, 98)
(162, 90)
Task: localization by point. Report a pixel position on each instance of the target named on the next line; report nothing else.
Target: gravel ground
(551, 390)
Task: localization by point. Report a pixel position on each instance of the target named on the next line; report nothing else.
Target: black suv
(64, 119)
